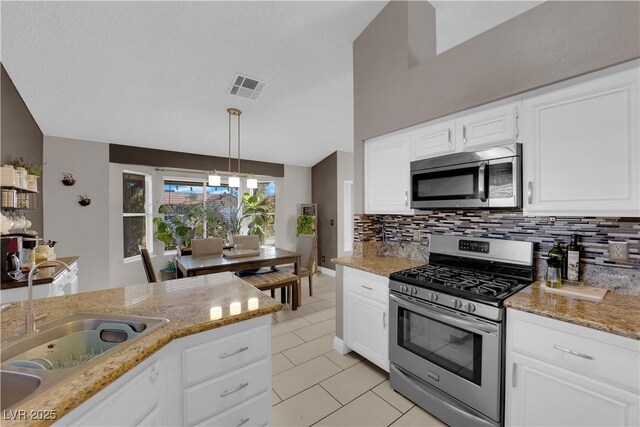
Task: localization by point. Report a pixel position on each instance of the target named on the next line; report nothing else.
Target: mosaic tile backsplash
(407, 236)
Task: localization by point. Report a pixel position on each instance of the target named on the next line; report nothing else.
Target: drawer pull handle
(242, 422)
(240, 350)
(575, 353)
(235, 390)
(366, 287)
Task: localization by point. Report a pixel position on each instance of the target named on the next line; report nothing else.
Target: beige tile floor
(314, 385)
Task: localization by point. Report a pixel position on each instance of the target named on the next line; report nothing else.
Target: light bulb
(234, 181)
(214, 180)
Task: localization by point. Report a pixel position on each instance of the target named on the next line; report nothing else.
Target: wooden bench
(277, 279)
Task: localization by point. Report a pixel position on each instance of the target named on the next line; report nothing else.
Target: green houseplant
(305, 224)
(172, 228)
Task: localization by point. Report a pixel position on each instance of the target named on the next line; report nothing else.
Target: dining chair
(307, 249)
(147, 264)
(251, 241)
(209, 246)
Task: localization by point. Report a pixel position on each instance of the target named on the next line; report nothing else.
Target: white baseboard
(327, 271)
(339, 346)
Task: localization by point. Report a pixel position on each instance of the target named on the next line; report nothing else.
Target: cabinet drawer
(572, 350)
(367, 285)
(213, 397)
(255, 412)
(226, 354)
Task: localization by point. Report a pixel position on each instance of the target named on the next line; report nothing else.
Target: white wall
(344, 173)
(457, 21)
(80, 231)
(292, 190)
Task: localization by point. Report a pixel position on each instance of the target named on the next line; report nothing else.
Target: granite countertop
(185, 302)
(617, 313)
(45, 275)
(380, 265)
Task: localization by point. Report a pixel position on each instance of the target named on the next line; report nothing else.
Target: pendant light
(234, 181)
(252, 182)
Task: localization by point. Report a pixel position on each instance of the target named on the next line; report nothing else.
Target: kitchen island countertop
(186, 303)
(617, 313)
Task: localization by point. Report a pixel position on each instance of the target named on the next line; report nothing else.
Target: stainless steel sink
(62, 348)
(15, 387)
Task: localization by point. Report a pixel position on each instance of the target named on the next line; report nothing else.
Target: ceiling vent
(246, 87)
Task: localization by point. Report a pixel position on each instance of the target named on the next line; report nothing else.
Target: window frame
(148, 212)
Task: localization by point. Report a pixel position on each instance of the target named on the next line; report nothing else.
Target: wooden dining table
(198, 265)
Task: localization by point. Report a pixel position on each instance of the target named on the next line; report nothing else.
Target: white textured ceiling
(156, 74)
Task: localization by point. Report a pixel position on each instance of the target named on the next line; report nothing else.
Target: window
(194, 209)
(135, 220)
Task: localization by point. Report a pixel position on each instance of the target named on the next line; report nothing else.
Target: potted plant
(257, 210)
(172, 227)
(84, 200)
(68, 179)
(33, 172)
(305, 224)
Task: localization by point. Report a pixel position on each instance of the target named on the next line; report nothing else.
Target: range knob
(414, 291)
(456, 303)
(470, 307)
(403, 289)
(433, 297)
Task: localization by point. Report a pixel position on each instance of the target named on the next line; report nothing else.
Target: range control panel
(473, 246)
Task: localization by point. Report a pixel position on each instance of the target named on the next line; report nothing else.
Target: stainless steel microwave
(486, 179)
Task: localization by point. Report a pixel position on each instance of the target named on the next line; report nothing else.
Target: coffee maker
(10, 249)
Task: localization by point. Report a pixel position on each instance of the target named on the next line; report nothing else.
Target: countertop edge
(110, 369)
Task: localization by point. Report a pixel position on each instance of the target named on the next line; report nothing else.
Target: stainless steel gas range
(447, 326)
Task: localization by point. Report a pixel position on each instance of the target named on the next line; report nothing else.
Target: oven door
(456, 353)
(458, 186)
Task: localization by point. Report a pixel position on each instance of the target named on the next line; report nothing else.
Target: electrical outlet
(323, 258)
(417, 235)
(618, 251)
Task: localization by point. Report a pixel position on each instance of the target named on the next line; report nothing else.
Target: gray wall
(20, 135)
(324, 194)
(549, 43)
(80, 231)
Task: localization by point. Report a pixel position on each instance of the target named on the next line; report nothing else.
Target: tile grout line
(322, 355)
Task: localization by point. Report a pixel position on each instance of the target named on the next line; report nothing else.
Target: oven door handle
(435, 314)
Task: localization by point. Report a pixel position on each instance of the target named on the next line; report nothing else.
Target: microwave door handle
(482, 190)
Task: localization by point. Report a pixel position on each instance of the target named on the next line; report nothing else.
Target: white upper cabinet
(491, 126)
(581, 146)
(433, 140)
(386, 175)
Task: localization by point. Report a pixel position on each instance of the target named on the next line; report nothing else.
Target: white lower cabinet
(366, 315)
(220, 377)
(560, 374)
(135, 399)
(65, 284)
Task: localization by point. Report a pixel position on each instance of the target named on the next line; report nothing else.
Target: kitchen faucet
(30, 318)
